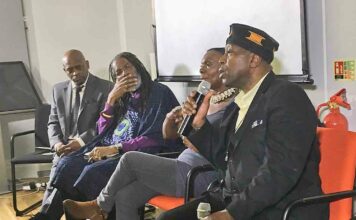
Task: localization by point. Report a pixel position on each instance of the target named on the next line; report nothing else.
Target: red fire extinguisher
(335, 119)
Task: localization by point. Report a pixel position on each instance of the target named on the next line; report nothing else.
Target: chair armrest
(330, 197)
(12, 140)
(169, 154)
(44, 148)
(192, 174)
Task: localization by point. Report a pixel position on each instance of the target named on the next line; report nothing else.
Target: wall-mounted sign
(344, 69)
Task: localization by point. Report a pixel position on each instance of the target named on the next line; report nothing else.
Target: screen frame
(303, 78)
(31, 85)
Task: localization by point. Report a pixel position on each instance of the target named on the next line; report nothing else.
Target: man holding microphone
(270, 133)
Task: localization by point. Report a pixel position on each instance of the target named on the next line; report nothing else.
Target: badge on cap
(256, 38)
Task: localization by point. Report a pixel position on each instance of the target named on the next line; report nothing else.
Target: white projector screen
(185, 29)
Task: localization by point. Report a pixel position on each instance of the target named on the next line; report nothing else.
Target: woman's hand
(189, 107)
(189, 144)
(175, 115)
(171, 122)
(100, 152)
(124, 83)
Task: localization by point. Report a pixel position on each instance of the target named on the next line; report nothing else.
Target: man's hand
(124, 83)
(189, 107)
(59, 148)
(101, 151)
(73, 145)
(221, 215)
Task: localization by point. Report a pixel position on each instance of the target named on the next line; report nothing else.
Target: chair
(165, 202)
(37, 157)
(337, 171)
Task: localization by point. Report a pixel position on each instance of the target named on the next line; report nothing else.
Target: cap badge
(256, 38)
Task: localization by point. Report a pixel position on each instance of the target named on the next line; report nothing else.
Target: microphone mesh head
(204, 87)
(203, 210)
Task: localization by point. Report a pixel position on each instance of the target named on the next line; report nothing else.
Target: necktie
(241, 115)
(75, 110)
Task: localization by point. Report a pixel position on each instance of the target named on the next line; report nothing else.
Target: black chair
(326, 198)
(37, 157)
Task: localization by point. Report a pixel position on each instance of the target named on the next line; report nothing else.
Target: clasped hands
(64, 149)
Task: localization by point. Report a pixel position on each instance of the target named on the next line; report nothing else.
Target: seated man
(273, 154)
(75, 109)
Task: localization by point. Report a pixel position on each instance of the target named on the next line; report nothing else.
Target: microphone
(186, 125)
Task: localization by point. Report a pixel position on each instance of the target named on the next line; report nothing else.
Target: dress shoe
(83, 210)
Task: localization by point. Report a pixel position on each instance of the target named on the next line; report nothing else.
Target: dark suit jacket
(94, 98)
(273, 157)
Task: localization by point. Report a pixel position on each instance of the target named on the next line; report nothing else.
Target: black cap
(254, 40)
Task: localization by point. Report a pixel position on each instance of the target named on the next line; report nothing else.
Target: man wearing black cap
(270, 132)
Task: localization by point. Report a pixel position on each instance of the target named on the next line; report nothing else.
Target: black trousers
(188, 211)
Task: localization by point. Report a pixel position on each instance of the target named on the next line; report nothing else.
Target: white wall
(139, 36)
(340, 32)
(332, 33)
(57, 26)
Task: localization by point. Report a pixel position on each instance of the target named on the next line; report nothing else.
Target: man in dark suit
(75, 108)
(269, 134)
